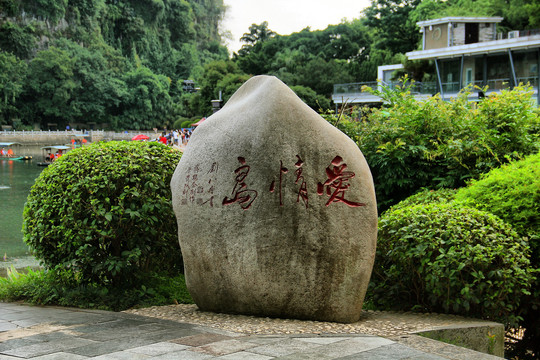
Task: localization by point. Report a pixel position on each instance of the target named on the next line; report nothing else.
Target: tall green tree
(50, 87)
(12, 79)
(146, 102)
(257, 34)
(394, 30)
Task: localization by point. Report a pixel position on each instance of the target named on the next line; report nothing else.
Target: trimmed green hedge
(511, 192)
(103, 213)
(449, 258)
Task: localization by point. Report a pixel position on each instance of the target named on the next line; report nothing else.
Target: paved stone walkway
(55, 333)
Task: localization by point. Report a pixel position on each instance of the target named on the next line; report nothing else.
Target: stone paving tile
(50, 336)
(27, 322)
(110, 334)
(45, 348)
(245, 355)
(183, 355)
(6, 357)
(392, 352)
(122, 355)
(347, 347)
(158, 348)
(201, 339)
(15, 343)
(127, 343)
(60, 356)
(224, 347)
(305, 356)
(323, 340)
(6, 326)
(263, 340)
(284, 347)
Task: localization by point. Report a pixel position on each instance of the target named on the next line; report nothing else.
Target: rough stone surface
(276, 210)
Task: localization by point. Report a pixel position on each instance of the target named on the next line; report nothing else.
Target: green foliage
(51, 85)
(178, 122)
(412, 144)
(257, 34)
(394, 28)
(104, 213)
(147, 103)
(12, 78)
(512, 192)
(108, 62)
(449, 258)
(426, 197)
(218, 76)
(56, 288)
(186, 124)
(310, 97)
(516, 14)
(17, 39)
(52, 10)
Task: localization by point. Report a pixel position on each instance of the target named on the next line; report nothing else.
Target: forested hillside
(123, 62)
(116, 62)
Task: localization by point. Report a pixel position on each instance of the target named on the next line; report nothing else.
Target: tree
(12, 79)
(50, 87)
(212, 82)
(146, 103)
(394, 30)
(17, 39)
(257, 34)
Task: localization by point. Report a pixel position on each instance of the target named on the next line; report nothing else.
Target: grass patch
(42, 287)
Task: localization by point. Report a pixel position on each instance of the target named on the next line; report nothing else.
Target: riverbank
(66, 137)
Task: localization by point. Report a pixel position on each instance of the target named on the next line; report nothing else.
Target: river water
(16, 179)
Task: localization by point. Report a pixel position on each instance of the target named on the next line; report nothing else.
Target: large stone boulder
(276, 210)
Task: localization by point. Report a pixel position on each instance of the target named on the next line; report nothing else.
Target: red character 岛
(240, 193)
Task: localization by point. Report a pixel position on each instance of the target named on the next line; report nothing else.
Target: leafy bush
(412, 144)
(186, 124)
(55, 288)
(427, 196)
(104, 213)
(178, 122)
(511, 192)
(449, 258)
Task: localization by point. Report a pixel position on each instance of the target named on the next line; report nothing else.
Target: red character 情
(302, 192)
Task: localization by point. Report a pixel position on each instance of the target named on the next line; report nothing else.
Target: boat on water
(7, 151)
(51, 153)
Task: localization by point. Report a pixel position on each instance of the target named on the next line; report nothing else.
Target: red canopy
(140, 137)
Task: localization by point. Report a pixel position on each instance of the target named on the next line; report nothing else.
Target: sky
(286, 16)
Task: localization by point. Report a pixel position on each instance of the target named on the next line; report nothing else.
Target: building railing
(429, 88)
(356, 88)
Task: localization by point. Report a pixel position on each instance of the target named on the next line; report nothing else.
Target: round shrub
(104, 213)
(512, 192)
(178, 122)
(427, 197)
(186, 124)
(448, 258)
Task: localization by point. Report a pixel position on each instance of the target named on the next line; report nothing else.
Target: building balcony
(352, 93)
